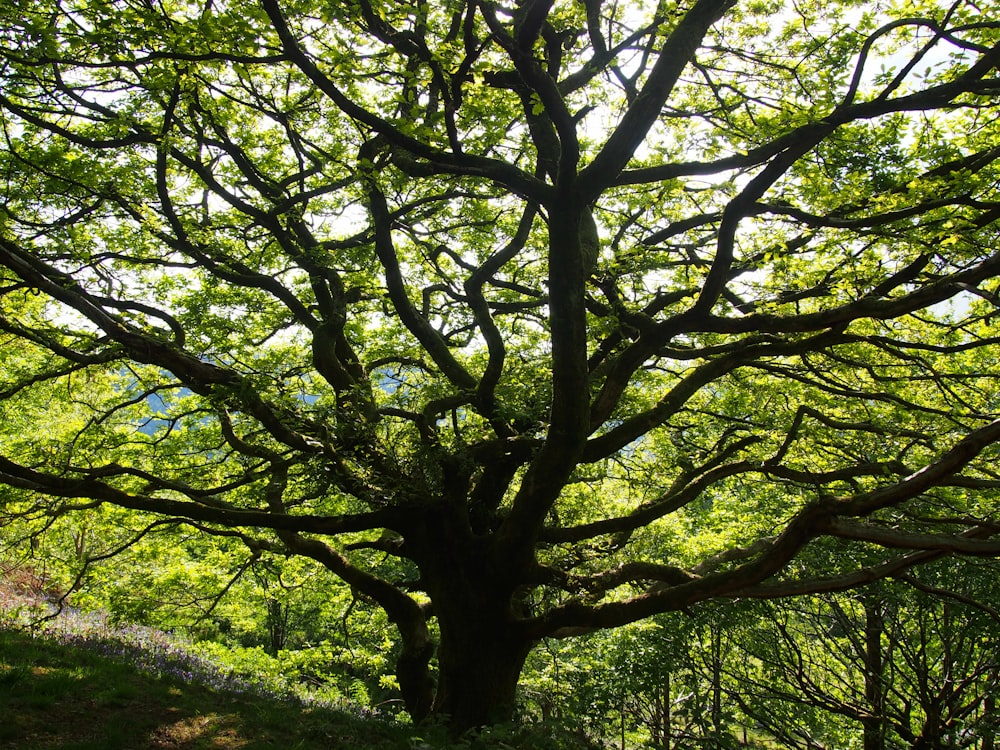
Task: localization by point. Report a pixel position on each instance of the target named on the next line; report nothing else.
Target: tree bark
(415, 683)
(717, 722)
(479, 667)
(667, 714)
(481, 653)
(989, 711)
(482, 649)
(874, 731)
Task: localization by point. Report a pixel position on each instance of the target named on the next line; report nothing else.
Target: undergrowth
(77, 682)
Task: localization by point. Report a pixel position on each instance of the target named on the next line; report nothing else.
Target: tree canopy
(522, 320)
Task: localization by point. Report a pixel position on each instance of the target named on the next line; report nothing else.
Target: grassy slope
(55, 696)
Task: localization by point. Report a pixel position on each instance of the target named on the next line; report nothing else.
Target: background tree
(662, 683)
(906, 664)
(520, 320)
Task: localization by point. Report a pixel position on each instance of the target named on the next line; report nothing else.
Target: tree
(902, 664)
(665, 679)
(522, 320)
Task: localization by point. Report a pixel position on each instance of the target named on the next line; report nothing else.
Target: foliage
(901, 664)
(518, 321)
(909, 662)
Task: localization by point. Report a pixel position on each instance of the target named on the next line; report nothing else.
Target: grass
(63, 696)
(80, 683)
(54, 695)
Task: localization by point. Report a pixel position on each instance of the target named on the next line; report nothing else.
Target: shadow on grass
(54, 696)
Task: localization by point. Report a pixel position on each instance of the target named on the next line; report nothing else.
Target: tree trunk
(667, 715)
(415, 683)
(477, 682)
(717, 722)
(656, 722)
(989, 711)
(481, 651)
(479, 665)
(874, 724)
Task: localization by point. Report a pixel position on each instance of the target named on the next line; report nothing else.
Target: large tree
(577, 311)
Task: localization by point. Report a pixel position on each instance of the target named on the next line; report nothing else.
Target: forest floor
(78, 683)
(53, 695)
(69, 688)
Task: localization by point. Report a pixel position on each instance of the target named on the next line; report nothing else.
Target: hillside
(78, 683)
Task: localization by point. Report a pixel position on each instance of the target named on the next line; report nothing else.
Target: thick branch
(676, 53)
(811, 522)
(204, 510)
(499, 171)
